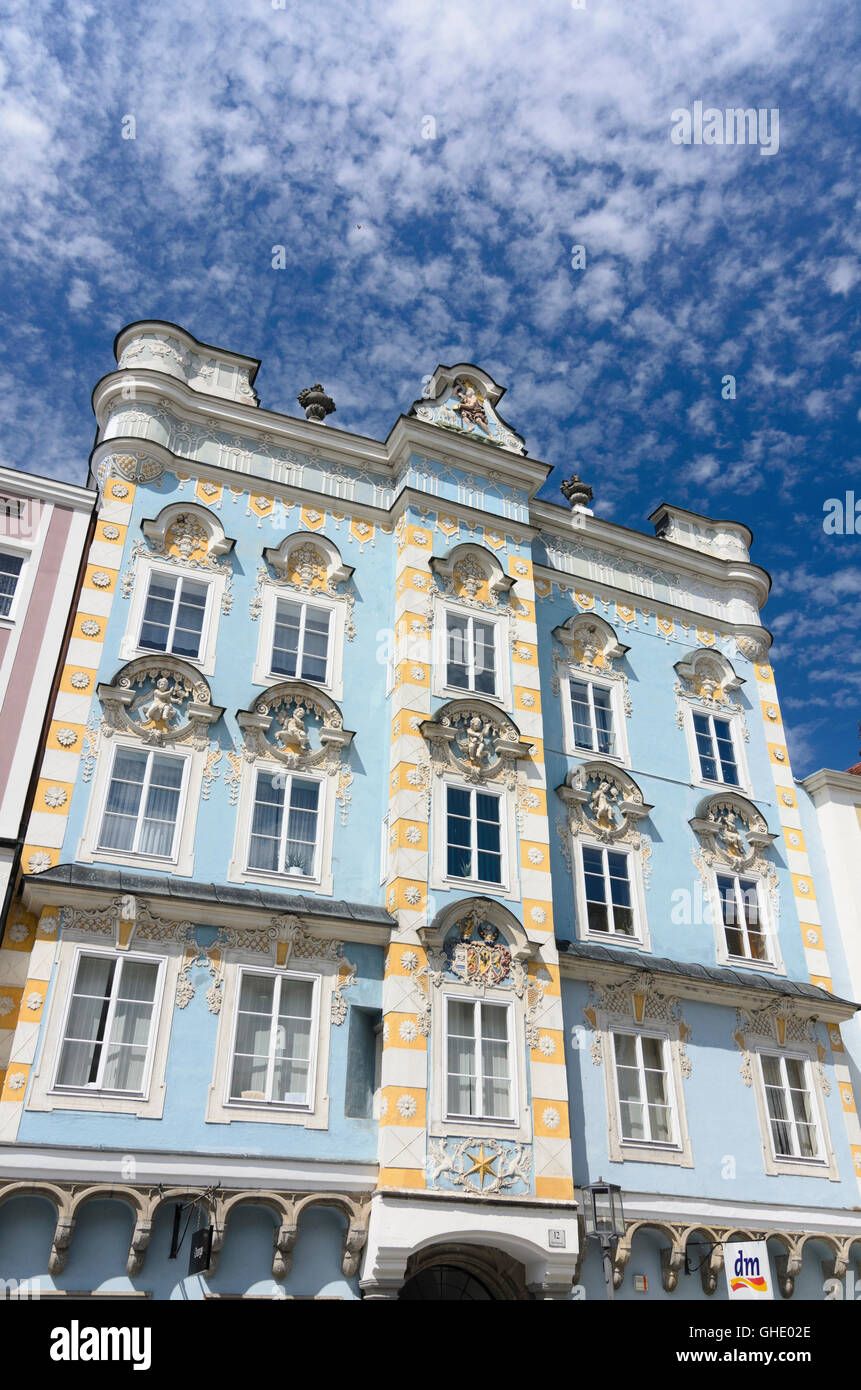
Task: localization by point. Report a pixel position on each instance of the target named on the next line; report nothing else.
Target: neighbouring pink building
(43, 529)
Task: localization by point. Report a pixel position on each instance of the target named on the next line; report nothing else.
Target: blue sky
(306, 127)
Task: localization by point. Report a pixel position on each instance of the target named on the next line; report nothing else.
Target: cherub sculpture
(293, 728)
(473, 739)
(730, 836)
(603, 801)
(160, 711)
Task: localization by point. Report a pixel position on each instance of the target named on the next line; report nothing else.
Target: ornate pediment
(161, 700)
(705, 677)
(187, 535)
(604, 802)
(297, 725)
(463, 399)
(733, 833)
(475, 740)
(472, 575)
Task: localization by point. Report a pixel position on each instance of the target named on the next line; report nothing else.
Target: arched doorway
(471, 1273)
(445, 1282)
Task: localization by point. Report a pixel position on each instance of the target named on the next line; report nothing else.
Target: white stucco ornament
(527, 700)
(407, 1106)
(413, 895)
(550, 1117)
(17, 1082)
(56, 796)
(34, 1001)
(6, 1005)
(18, 930)
(110, 533)
(48, 926)
(536, 856)
(546, 1045)
(101, 579)
(413, 834)
(38, 863)
(80, 680)
(538, 914)
(67, 737)
(90, 628)
(408, 1031)
(409, 960)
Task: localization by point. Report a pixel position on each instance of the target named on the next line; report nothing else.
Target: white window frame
(621, 1150)
(306, 1106)
(641, 937)
(149, 1104)
(499, 622)
(220, 1109)
(182, 860)
(440, 877)
(796, 1166)
(22, 585)
(638, 1034)
(504, 1120)
(774, 964)
(621, 755)
(180, 578)
(144, 567)
(121, 956)
(238, 870)
(692, 707)
(519, 1128)
(262, 674)
(287, 777)
(150, 753)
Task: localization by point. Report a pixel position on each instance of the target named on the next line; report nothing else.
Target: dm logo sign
(748, 1273)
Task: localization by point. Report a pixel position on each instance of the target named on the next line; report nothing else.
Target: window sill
(745, 963)
(607, 938)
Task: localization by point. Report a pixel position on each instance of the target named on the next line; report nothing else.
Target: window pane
(285, 645)
(603, 719)
(256, 993)
(123, 801)
(189, 619)
(162, 805)
(461, 1018)
(457, 656)
(10, 569)
(300, 847)
(265, 843)
(626, 1049)
(315, 644)
(494, 1022)
(138, 980)
(158, 611)
(484, 655)
(248, 1079)
(580, 714)
(124, 1068)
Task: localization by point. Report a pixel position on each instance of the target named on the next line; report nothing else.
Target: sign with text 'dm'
(748, 1272)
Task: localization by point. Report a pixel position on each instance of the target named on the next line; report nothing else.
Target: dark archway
(446, 1282)
(463, 1271)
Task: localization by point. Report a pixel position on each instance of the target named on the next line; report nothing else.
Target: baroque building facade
(426, 852)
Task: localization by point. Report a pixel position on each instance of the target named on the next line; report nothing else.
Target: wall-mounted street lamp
(604, 1219)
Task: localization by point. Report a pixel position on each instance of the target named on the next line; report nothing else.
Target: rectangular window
(794, 1132)
(284, 825)
(643, 1083)
(109, 1028)
(10, 571)
(716, 749)
(274, 1039)
(607, 882)
(470, 654)
(300, 646)
(592, 717)
(473, 835)
(478, 1066)
(745, 929)
(174, 615)
(142, 807)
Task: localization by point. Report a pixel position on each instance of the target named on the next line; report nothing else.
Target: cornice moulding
(174, 909)
(828, 779)
(828, 1009)
(17, 483)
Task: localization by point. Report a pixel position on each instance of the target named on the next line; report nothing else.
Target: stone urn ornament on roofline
(315, 403)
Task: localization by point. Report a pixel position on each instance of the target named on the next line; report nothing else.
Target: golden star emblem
(482, 1164)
